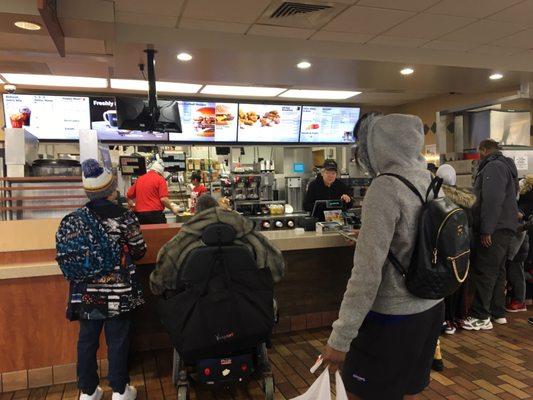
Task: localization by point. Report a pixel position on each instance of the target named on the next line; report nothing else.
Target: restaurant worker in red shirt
(150, 193)
(197, 190)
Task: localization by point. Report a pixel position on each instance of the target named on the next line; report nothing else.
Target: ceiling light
(29, 26)
(55, 80)
(142, 86)
(319, 94)
(496, 76)
(242, 91)
(304, 65)
(407, 71)
(184, 57)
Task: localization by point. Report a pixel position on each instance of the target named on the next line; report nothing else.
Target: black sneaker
(530, 320)
(437, 365)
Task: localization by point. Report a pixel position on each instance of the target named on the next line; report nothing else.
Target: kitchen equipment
(266, 187)
(56, 168)
(295, 188)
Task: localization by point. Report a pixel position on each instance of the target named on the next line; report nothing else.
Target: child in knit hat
(103, 300)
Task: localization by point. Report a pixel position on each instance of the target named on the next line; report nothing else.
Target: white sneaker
(500, 321)
(475, 324)
(97, 395)
(129, 394)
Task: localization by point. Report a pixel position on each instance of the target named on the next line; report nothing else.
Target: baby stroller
(221, 315)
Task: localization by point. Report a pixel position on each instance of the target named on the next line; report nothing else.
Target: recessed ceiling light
(29, 26)
(496, 76)
(242, 90)
(407, 71)
(55, 80)
(319, 94)
(304, 65)
(184, 57)
(142, 86)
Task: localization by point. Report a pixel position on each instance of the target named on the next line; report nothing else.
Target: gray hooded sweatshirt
(392, 144)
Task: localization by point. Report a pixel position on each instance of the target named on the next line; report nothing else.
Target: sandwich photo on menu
(223, 115)
(204, 122)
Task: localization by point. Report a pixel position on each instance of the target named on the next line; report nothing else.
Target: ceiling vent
(308, 14)
(289, 8)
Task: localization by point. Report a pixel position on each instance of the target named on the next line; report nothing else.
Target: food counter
(39, 345)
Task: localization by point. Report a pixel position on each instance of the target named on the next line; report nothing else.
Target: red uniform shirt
(148, 191)
(195, 193)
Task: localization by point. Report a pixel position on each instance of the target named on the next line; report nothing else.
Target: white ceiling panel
(498, 51)
(407, 5)
(429, 26)
(243, 11)
(342, 37)
(20, 41)
(85, 46)
(449, 46)
(279, 31)
(167, 21)
(367, 20)
(94, 10)
(163, 7)
(213, 26)
(397, 41)
(471, 8)
(521, 13)
(521, 40)
(483, 32)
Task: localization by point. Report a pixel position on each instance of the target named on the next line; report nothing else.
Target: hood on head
(392, 143)
(448, 174)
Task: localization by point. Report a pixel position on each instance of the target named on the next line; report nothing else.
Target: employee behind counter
(150, 193)
(326, 187)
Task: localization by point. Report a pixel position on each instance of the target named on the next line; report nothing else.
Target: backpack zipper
(435, 250)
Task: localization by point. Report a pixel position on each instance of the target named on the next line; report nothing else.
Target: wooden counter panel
(27, 257)
(35, 332)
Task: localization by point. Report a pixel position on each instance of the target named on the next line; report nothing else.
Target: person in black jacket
(326, 187)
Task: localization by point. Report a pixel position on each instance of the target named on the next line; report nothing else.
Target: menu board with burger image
(207, 122)
(269, 123)
(328, 124)
(47, 117)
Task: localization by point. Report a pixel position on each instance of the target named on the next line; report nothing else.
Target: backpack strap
(407, 183)
(434, 186)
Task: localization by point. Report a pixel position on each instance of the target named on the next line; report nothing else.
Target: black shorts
(392, 355)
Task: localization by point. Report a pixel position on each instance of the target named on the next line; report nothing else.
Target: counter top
(156, 236)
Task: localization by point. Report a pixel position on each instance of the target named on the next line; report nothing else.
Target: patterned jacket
(118, 292)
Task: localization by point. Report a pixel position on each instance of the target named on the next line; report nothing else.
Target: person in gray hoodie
(385, 336)
(495, 224)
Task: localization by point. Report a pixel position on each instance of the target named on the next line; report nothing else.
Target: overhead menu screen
(269, 123)
(206, 122)
(47, 117)
(328, 124)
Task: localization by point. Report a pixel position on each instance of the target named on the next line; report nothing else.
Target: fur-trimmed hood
(460, 197)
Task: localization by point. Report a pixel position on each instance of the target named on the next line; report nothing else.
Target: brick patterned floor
(490, 365)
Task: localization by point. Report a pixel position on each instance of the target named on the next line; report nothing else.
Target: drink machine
(295, 189)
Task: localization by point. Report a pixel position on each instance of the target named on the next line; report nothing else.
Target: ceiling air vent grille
(289, 8)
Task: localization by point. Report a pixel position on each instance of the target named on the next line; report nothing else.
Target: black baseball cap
(330, 164)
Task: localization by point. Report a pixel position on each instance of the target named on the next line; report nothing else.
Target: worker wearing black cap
(327, 187)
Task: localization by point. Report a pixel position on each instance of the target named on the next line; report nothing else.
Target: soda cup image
(26, 113)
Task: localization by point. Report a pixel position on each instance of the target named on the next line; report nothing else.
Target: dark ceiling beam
(48, 11)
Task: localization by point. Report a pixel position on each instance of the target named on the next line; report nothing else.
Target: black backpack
(441, 258)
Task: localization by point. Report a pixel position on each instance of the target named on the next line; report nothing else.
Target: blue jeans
(117, 338)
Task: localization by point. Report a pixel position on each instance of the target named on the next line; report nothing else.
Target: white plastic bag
(320, 389)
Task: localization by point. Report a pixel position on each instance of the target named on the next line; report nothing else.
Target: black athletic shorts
(392, 355)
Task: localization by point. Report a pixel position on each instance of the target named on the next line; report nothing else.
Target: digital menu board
(47, 117)
(104, 121)
(328, 124)
(269, 123)
(206, 122)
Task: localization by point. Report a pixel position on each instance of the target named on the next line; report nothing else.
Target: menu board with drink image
(328, 124)
(206, 122)
(47, 117)
(269, 123)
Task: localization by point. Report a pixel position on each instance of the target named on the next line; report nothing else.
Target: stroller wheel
(269, 388)
(183, 393)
